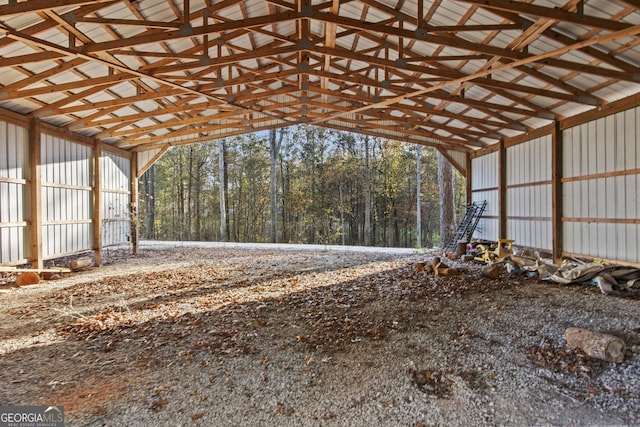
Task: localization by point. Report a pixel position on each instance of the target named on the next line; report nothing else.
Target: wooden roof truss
(454, 74)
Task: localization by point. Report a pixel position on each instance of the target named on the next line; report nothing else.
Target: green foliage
(321, 181)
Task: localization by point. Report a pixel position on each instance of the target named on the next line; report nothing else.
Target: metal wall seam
(600, 188)
(14, 167)
(484, 183)
(529, 193)
(66, 193)
(116, 194)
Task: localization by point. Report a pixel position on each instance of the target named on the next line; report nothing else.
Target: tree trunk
(312, 232)
(198, 198)
(180, 194)
(226, 187)
(284, 178)
(274, 150)
(150, 202)
(190, 193)
(222, 181)
(445, 184)
(342, 231)
(418, 198)
(367, 194)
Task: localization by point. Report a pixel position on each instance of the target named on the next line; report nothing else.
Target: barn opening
(536, 103)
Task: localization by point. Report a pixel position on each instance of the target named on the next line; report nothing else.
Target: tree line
(301, 184)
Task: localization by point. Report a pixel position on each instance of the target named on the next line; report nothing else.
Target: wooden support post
(469, 186)
(35, 158)
(97, 204)
(556, 192)
(502, 190)
(134, 202)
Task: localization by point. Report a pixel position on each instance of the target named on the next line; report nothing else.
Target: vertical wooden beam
(205, 38)
(134, 202)
(502, 190)
(556, 192)
(97, 204)
(35, 171)
(469, 183)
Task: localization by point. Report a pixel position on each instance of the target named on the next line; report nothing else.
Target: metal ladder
(467, 225)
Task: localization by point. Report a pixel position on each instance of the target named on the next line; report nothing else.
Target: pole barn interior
(536, 103)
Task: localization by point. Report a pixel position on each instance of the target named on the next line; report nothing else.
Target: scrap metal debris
(612, 280)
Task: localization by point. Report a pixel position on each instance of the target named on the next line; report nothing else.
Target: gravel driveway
(276, 336)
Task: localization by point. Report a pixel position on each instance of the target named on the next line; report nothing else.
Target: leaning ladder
(467, 225)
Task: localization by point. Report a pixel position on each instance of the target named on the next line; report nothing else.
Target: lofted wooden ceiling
(455, 74)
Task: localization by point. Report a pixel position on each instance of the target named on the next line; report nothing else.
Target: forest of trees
(320, 186)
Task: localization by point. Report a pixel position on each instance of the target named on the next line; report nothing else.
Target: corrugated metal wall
(529, 193)
(15, 241)
(601, 180)
(144, 157)
(66, 196)
(116, 199)
(484, 186)
(459, 158)
(66, 175)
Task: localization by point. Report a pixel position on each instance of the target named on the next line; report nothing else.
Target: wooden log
(49, 275)
(427, 268)
(80, 263)
(491, 271)
(449, 271)
(596, 344)
(28, 278)
(5, 269)
(461, 248)
(437, 263)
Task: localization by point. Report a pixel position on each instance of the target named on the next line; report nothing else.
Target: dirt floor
(274, 337)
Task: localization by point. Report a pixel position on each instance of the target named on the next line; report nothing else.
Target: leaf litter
(217, 316)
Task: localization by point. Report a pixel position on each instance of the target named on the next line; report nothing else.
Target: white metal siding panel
(459, 157)
(14, 170)
(600, 205)
(484, 184)
(66, 196)
(144, 157)
(116, 199)
(529, 200)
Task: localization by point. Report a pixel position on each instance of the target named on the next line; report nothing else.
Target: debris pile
(439, 268)
(615, 280)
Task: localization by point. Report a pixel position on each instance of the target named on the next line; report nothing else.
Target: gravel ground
(265, 336)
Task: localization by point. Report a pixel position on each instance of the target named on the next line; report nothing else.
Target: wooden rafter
(629, 32)
(551, 13)
(39, 5)
(375, 67)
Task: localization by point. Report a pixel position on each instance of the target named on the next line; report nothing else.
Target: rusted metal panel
(14, 211)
